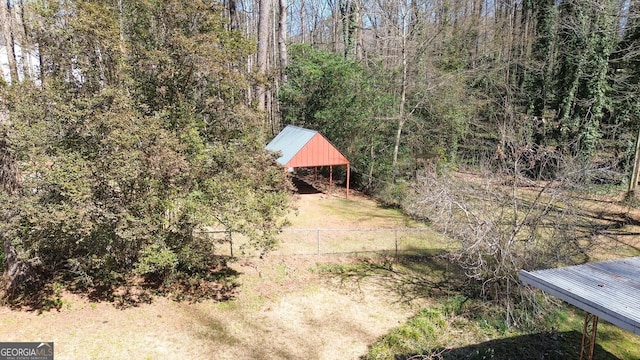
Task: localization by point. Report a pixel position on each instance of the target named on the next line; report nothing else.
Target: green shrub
(197, 257)
(393, 195)
(156, 261)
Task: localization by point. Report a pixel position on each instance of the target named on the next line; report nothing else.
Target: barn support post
(589, 331)
(330, 178)
(348, 173)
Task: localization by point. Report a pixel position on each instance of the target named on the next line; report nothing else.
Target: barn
(304, 148)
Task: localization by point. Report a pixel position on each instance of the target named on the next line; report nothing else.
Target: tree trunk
(302, 22)
(359, 31)
(25, 44)
(347, 15)
(282, 39)
(5, 19)
(16, 270)
(633, 182)
(263, 51)
(403, 100)
(283, 59)
(233, 15)
(335, 17)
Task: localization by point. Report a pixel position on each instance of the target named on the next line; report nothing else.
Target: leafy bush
(156, 261)
(393, 194)
(341, 98)
(197, 257)
(135, 150)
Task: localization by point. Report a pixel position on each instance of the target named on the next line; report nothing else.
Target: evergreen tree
(340, 98)
(587, 39)
(538, 84)
(135, 140)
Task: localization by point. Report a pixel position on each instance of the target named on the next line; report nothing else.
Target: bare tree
(349, 14)
(17, 12)
(232, 8)
(403, 99)
(7, 33)
(633, 181)
(498, 227)
(262, 60)
(302, 18)
(282, 38)
(283, 59)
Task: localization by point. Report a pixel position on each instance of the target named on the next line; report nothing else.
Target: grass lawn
(285, 308)
(457, 327)
(339, 306)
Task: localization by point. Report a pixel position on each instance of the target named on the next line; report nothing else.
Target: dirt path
(285, 310)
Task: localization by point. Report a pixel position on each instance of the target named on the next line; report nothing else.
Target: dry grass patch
(286, 308)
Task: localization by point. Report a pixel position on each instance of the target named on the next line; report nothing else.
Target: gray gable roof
(289, 142)
(608, 289)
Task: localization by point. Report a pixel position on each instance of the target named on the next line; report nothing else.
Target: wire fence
(295, 241)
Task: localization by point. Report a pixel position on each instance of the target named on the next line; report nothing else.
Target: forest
(128, 126)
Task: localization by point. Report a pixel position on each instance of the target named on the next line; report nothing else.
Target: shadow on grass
(259, 344)
(412, 274)
(546, 345)
(431, 276)
(609, 222)
(125, 290)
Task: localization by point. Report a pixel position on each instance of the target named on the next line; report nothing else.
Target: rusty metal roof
(608, 289)
(300, 147)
